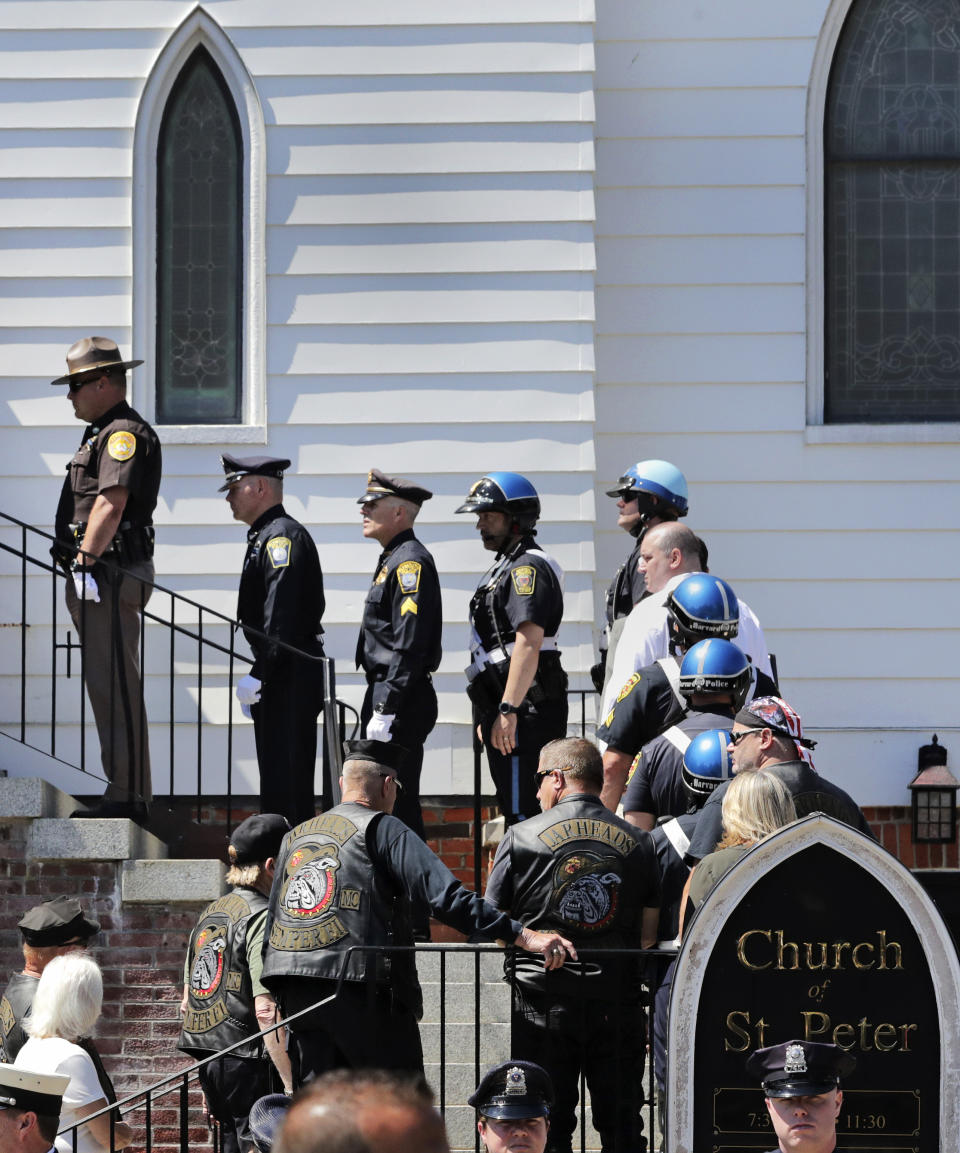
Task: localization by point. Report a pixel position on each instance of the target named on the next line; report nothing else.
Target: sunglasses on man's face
(76, 385)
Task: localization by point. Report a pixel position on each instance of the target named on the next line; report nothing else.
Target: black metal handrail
(181, 1081)
(188, 622)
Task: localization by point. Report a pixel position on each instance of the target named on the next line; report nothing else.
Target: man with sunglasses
(579, 870)
(104, 531)
(340, 905)
(767, 735)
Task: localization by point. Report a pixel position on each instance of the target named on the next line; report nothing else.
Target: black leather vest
(328, 896)
(14, 1009)
(583, 872)
(221, 1006)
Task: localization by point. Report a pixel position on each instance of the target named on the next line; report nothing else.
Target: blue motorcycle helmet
(507, 492)
(706, 765)
(701, 606)
(716, 666)
(657, 478)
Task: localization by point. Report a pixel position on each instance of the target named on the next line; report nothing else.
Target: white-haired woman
(66, 1007)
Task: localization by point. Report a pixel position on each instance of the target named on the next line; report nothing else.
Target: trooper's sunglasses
(76, 385)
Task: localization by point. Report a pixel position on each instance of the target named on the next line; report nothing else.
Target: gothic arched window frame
(200, 30)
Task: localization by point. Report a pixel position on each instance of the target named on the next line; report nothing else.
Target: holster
(485, 686)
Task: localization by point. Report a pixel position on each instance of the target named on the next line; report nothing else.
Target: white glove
(86, 586)
(379, 726)
(248, 690)
(245, 709)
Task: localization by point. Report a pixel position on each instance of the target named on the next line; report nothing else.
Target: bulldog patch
(278, 550)
(586, 891)
(207, 972)
(122, 445)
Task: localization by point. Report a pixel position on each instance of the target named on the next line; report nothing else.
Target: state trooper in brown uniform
(104, 530)
(399, 643)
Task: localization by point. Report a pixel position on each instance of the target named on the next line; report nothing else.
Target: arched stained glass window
(199, 377)
(892, 221)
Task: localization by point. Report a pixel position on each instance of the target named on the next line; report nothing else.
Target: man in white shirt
(669, 552)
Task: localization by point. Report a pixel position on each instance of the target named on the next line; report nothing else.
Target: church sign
(817, 934)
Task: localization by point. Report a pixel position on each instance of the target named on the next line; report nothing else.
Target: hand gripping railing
(144, 1101)
(197, 657)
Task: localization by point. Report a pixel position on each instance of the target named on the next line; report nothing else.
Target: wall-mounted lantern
(934, 797)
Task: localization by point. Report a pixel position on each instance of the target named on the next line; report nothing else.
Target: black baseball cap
(258, 837)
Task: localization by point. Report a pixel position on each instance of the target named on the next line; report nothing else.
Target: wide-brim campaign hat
(34, 1092)
(93, 352)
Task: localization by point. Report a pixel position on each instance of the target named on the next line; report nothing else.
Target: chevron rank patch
(122, 445)
(408, 575)
(278, 550)
(524, 579)
(408, 606)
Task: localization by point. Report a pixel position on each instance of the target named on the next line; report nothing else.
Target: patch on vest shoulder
(524, 579)
(122, 445)
(7, 1018)
(586, 891)
(408, 575)
(278, 550)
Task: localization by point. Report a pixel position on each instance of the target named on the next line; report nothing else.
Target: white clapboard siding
(429, 248)
(429, 290)
(846, 551)
(665, 212)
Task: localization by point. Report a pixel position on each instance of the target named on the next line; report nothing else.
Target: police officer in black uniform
(399, 643)
(579, 870)
(801, 1085)
(516, 683)
(347, 878)
(104, 530)
(47, 931)
(223, 1000)
(516, 1095)
(649, 493)
(281, 596)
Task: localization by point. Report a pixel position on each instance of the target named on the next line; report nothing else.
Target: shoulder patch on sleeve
(278, 550)
(628, 687)
(524, 579)
(408, 576)
(409, 606)
(122, 445)
(634, 765)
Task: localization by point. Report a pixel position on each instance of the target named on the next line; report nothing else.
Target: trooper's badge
(524, 579)
(408, 575)
(122, 445)
(586, 891)
(278, 550)
(207, 971)
(311, 884)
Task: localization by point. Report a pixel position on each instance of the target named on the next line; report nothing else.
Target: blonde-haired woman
(66, 1007)
(755, 805)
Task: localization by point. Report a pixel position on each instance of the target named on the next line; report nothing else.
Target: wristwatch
(505, 710)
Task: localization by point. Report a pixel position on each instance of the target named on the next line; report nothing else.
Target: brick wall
(891, 825)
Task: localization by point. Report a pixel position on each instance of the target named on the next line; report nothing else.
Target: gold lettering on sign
(768, 948)
(864, 1035)
(738, 1022)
